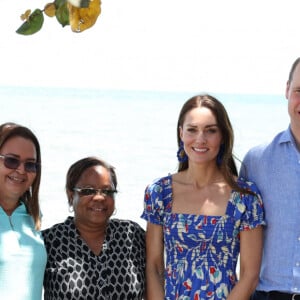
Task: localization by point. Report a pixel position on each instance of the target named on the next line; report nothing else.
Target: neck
(90, 232)
(93, 236)
(9, 206)
(204, 176)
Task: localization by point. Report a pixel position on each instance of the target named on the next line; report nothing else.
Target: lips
(16, 179)
(201, 150)
(98, 209)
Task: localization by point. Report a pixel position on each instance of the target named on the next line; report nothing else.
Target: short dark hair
(76, 170)
(294, 65)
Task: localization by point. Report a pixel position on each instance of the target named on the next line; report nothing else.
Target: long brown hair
(227, 164)
(31, 197)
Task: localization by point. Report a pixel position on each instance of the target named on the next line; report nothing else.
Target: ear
(70, 195)
(180, 132)
(287, 88)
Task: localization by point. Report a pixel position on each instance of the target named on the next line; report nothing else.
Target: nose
(99, 195)
(201, 138)
(21, 168)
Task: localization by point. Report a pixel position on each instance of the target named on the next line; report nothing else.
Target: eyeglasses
(13, 163)
(93, 192)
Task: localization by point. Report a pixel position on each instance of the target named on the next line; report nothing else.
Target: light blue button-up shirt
(275, 168)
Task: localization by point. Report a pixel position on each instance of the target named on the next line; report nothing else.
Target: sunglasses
(93, 192)
(13, 163)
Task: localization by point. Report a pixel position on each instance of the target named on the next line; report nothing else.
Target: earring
(71, 208)
(181, 155)
(220, 155)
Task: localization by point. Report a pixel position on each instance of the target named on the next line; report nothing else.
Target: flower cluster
(79, 14)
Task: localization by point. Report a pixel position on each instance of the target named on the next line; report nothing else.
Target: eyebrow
(207, 126)
(101, 188)
(19, 157)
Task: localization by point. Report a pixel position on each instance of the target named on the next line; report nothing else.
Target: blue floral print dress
(201, 251)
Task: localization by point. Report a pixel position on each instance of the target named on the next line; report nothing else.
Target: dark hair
(6, 125)
(296, 62)
(76, 170)
(30, 198)
(227, 165)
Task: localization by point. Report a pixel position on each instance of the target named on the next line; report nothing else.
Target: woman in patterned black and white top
(90, 255)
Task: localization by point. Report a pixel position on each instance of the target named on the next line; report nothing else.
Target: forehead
(95, 175)
(19, 146)
(200, 115)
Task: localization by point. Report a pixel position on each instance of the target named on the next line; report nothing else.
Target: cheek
(31, 177)
(293, 104)
(186, 138)
(75, 202)
(111, 203)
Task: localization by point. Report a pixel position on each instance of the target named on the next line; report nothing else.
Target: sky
(221, 46)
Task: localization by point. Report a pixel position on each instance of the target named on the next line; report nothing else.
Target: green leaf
(59, 3)
(33, 24)
(62, 14)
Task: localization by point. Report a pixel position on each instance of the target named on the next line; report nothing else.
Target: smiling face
(93, 211)
(201, 135)
(14, 183)
(293, 96)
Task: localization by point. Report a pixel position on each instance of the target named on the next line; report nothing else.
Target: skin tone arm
(154, 262)
(250, 259)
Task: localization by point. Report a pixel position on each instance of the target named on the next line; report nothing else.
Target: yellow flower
(84, 18)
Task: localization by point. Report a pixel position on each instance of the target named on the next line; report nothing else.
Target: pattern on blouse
(201, 251)
(73, 271)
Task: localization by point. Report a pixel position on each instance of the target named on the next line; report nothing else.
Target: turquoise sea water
(133, 130)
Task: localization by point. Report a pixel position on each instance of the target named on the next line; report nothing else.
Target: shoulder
(249, 200)
(259, 150)
(125, 225)
(248, 185)
(127, 231)
(158, 186)
(160, 182)
(58, 228)
(256, 152)
(248, 206)
(257, 159)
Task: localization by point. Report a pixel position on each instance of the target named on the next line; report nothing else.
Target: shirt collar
(287, 136)
(73, 231)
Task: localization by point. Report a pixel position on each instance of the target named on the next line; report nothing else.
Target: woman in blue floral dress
(200, 219)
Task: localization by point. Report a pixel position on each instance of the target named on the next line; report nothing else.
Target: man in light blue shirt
(275, 168)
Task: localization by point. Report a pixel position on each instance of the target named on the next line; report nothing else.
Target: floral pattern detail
(201, 251)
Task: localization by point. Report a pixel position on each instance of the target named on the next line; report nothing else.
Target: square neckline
(170, 206)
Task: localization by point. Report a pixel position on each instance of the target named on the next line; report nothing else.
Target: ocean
(135, 131)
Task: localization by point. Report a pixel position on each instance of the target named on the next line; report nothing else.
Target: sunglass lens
(108, 193)
(11, 162)
(30, 166)
(87, 192)
(14, 163)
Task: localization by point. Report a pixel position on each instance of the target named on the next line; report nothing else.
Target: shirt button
(299, 238)
(297, 264)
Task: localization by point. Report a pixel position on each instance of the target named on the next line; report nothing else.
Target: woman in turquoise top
(203, 217)
(22, 251)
